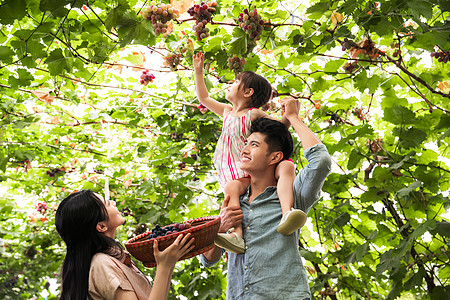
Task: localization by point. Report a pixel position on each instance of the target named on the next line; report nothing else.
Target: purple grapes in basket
(158, 231)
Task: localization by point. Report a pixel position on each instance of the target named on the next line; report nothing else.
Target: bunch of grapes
(172, 60)
(41, 207)
(176, 136)
(347, 44)
(236, 64)
(350, 67)
(146, 77)
(203, 11)
(158, 231)
(441, 56)
(203, 109)
(182, 165)
(202, 14)
(54, 172)
(160, 15)
(251, 22)
(201, 32)
(126, 211)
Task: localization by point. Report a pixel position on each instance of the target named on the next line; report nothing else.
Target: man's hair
(277, 136)
(262, 90)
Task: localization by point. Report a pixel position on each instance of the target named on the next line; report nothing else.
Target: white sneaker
(230, 241)
(292, 221)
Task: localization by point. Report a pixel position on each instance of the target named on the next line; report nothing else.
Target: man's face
(255, 154)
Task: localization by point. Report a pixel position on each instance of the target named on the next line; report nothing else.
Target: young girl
(248, 92)
(95, 266)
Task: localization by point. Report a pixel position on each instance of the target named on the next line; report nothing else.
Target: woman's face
(115, 218)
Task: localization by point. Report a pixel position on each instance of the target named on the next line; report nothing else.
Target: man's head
(269, 143)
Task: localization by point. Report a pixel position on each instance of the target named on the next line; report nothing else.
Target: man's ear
(276, 157)
(101, 227)
(249, 92)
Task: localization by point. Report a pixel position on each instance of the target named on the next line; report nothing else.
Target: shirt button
(251, 210)
(246, 267)
(246, 288)
(248, 227)
(246, 247)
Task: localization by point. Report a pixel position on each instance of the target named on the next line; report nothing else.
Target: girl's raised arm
(200, 88)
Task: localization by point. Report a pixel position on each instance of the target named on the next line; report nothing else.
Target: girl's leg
(234, 241)
(292, 219)
(285, 175)
(235, 189)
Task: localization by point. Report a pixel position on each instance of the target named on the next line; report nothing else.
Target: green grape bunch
(160, 15)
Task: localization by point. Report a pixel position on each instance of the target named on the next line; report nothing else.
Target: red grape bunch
(347, 44)
(203, 109)
(236, 64)
(350, 67)
(441, 56)
(172, 60)
(202, 14)
(251, 22)
(160, 15)
(146, 77)
(42, 207)
(397, 51)
(203, 11)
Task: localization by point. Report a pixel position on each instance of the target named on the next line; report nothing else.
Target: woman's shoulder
(102, 259)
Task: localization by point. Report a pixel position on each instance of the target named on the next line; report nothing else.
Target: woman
(95, 266)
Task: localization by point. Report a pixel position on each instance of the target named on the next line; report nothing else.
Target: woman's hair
(76, 220)
(277, 136)
(262, 90)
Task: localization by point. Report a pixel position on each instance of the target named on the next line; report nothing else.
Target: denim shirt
(272, 268)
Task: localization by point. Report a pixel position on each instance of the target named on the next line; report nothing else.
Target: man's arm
(309, 180)
(229, 217)
(291, 108)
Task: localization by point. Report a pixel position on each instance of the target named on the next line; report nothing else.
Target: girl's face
(234, 91)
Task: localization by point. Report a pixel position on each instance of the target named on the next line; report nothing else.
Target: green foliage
(74, 116)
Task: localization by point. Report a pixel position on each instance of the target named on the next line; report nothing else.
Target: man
(272, 268)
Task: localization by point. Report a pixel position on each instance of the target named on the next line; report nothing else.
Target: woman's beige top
(107, 274)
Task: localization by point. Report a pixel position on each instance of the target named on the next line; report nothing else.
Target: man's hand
(290, 106)
(229, 216)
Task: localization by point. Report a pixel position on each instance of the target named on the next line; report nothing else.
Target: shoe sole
(295, 221)
(225, 244)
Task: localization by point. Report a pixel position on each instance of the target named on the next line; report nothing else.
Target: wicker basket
(204, 230)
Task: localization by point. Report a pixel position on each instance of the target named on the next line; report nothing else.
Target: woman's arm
(201, 90)
(165, 263)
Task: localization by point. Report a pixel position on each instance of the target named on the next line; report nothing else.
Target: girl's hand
(198, 61)
(180, 247)
(290, 106)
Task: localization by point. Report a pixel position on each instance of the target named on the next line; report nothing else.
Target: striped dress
(235, 131)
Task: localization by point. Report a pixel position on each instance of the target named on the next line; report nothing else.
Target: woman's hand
(180, 247)
(198, 61)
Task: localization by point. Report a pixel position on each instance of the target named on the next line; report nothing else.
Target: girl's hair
(76, 220)
(277, 136)
(262, 90)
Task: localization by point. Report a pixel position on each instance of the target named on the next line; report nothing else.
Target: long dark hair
(76, 220)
